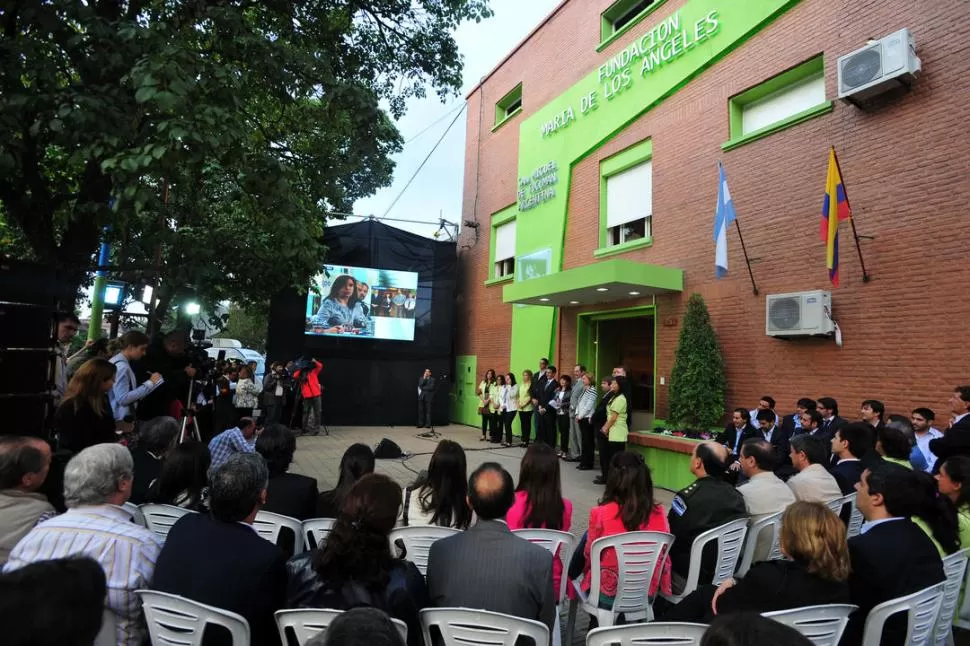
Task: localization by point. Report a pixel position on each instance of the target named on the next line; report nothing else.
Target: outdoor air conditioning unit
(879, 66)
(799, 314)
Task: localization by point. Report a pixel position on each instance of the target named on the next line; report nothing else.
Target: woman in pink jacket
(538, 498)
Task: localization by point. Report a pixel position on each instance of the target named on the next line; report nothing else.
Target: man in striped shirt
(97, 481)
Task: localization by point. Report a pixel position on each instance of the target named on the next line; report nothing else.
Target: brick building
(591, 173)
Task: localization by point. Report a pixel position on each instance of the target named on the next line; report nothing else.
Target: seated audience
(828, 408)
(510, 575)
(24, 463)
(953, 474)
(813, 538)
(767, 403)
(355, 567)
(793, 423)
(440, 496)
(706, 503)
(769, 431)
(184, 478)
(893, 446)
(84, 417)
(891, 557)
(931, 512)
(956, 440)
(736, 432)
(360, 627)
(849, 444)
(53, 603)
(751, 629)
(627, 505)
(811, 424)
(813, 482)
(764, 493)
(538, 499)
(239, 439)
(290, 494)
(356, 462)
(899, 424)
(219, 560)
(155, 438)
(97, 481)
(922, 423)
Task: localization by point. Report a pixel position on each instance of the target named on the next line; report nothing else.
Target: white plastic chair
(317, 529)
(136, 516)
(108, 635)
(638, 556)
(308, 623)
(855, 518)
(955, 568)
(659, 633)
(771, 524)
(160, 518)
(464, 627)
(177, 621)
(922, 609)
(838, 504)
(555, 541)
(268, 525)
(822, 625)
(418, 541)
(730, 539)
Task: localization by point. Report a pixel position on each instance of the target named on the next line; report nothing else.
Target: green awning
(600, 282)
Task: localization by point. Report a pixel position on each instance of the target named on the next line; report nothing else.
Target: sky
(436, 190)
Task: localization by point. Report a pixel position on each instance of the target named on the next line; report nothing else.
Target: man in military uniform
(707, 503)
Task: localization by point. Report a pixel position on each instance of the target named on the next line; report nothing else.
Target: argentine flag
(722, 220)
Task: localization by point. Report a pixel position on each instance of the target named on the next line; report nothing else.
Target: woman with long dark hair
(627, 505)
(355, 567)
(357, 461)
(84, 417)
(440, 498)
(563, 394)
(951, 480)
(183, 480)
(538, 498)
(525, 406)
(495, 424)
(612, 437)
(485, 387)
(510, 406)
(246, 397)
(338, 312)
(584, 416)
(933, 513)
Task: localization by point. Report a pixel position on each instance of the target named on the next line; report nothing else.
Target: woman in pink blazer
(538, 498)
(627, 506)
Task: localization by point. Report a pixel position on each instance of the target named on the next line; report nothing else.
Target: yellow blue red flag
(835, 208)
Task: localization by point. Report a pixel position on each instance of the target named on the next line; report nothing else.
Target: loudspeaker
(387, 450)
(23, 325)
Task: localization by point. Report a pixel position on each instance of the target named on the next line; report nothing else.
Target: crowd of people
(908, 478)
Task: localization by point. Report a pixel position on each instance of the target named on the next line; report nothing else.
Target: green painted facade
(464, 401)
(679, 46)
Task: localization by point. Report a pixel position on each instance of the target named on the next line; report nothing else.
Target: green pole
(97, 299)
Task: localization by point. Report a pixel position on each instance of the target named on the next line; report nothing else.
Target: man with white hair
(97, 481)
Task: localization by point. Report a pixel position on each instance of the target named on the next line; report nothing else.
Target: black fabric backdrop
(372, 382)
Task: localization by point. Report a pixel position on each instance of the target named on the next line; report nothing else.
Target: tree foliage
(254, 118)
(697, 380)
(247, 324)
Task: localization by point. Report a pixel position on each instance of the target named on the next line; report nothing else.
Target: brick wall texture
(906, 166)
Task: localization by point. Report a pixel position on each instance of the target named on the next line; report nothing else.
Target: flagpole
(855, 234)
(744, 250)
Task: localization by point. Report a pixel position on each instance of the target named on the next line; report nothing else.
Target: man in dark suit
(891, 557)
(736, 432)
(426, 386)
(547, 414)
(849, 445)
(218, 559)
(872, 412)
(828, 408)
(487, 567)
(538, 383)
(290, 494)
(154, 438)
(956, 440)
(792, 423)
(779, 441)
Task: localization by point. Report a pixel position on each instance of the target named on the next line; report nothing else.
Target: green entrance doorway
(628, 338)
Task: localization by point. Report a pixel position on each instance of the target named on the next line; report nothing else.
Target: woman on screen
(339, 311)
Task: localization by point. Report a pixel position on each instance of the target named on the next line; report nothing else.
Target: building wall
(905, 166)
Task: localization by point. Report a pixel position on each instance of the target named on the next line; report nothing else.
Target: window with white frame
(629, 204)
(505, 249)
(782, 104)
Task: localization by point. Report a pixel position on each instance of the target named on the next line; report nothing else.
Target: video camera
(205, 366)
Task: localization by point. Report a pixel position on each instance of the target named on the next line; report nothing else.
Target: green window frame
(622, 161)
(623, 15)
(811, 71)
(508, 106)
(499, 218)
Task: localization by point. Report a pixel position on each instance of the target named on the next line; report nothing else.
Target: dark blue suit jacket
(226, 565)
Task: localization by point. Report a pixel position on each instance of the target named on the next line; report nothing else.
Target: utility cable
(447, 114)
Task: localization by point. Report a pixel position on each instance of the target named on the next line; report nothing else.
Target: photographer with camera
(274, 393)
(307, 375)
(167, 357)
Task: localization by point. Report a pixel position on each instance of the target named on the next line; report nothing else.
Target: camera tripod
(189, 414)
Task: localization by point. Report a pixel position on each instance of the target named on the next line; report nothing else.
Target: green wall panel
(668, 469)
(464, 401)
(679, 46)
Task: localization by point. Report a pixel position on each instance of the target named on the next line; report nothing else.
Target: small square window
(623, 13)
(628, 232)
(505, 268)
(508, 105)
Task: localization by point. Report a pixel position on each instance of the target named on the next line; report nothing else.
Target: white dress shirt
(866, 526)
(923, 443)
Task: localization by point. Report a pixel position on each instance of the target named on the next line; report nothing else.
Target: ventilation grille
(785, 314)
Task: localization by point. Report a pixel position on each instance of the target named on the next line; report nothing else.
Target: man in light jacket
(126, 390)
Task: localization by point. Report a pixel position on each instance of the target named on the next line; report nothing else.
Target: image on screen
(362, 302)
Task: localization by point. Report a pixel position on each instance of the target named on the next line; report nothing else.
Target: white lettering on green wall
(539, 187)
(664, 43)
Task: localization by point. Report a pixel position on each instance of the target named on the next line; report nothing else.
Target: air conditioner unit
(799, 314)
(879, 66)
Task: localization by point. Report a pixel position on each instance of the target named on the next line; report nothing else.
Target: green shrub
(697, 381)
